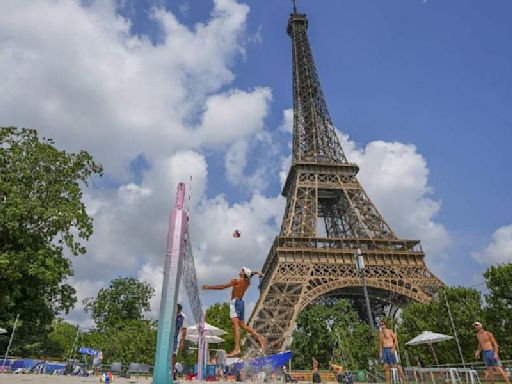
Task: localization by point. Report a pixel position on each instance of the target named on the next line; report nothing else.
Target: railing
(369, 246)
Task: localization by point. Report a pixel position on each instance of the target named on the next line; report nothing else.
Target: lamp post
(454, 330)
(359, 260)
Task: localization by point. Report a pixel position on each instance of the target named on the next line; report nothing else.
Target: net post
(171, 282)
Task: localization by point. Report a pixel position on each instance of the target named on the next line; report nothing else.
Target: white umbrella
(208, 330)
(429, 338)
(2, 331)
(208, 338)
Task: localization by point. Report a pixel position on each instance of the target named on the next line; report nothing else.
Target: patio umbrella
(208, 330)
(208, 338)
(429, 338)
(2, 331)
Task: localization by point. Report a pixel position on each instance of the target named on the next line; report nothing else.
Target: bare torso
(485, 340)
(336, 368)
(240, 286)
(387, 338)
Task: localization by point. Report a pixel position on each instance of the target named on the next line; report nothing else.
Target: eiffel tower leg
(279, 305)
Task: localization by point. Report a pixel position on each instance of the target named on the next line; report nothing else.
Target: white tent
(429, 338)
(208, 330)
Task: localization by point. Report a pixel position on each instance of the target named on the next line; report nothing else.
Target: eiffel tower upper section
(314, 135)
(317, 150)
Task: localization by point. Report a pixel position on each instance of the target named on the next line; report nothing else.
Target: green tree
(129, 341)
(218, 316)
(466, 307)
(332, 332)
(498, 314)
(60, 340)
(125, 299)
(41, 214)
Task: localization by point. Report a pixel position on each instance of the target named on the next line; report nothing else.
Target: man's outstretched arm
(221, 286)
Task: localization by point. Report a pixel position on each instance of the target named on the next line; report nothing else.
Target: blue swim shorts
(489, 359)
(236, 309)
(388, 356)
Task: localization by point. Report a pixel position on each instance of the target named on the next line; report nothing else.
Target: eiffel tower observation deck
(329, 220)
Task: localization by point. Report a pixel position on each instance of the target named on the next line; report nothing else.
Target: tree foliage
(124, 300)
(499, 306)
(41, 214)
(60, 340)
(122, 333)
(218, 316)
(129, 341)
(466, 307)
(332, 332)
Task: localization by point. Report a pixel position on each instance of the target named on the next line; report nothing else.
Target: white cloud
(499, 250)
(235, 161)
(85, 288)
(286, 163)
(287, 121)
(77, 74)
(234, 115)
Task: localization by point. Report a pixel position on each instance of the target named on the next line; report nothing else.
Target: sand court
(57, 379)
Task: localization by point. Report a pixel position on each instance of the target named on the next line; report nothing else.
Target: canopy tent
(429, 338)
(2, 331)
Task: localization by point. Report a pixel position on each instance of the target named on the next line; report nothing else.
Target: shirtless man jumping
(388, 342)
(488, 344)
(236, 307)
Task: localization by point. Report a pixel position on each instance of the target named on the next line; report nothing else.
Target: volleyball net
(179, 266)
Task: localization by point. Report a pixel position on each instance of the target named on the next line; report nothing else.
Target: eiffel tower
(328, 219)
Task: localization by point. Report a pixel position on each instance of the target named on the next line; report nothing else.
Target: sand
(57, 379)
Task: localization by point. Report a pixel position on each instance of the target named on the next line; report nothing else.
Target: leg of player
(387, 370)
(236, 334)
(503, 374)
(252, 331)
(401, 373)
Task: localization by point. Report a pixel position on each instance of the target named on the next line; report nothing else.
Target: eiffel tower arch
(328, 218)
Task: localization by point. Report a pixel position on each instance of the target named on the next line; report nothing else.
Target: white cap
(247, 272)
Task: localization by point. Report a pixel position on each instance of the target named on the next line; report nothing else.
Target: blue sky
(158, 90)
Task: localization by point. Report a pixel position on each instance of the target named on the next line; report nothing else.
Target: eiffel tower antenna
(333, 241)
(294, 6)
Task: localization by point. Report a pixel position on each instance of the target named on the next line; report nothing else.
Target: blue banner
(87, 351)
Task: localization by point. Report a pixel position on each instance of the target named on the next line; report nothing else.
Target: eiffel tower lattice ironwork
(328, 218)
